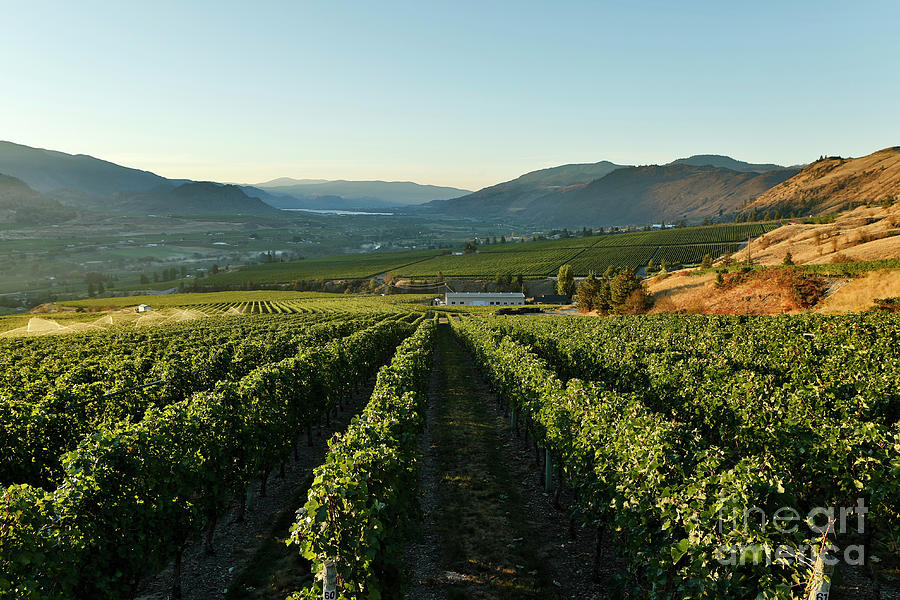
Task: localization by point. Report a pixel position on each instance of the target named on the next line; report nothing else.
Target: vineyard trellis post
(548, 470)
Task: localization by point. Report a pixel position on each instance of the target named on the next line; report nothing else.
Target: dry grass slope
(835, 184)
(861, 234)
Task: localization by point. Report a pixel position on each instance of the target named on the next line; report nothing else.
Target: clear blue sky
(454, 93)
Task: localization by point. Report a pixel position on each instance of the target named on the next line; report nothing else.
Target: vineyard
(535, 259)
(681, 246)
(125, 447)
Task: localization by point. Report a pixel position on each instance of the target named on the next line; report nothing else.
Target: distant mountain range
(88, 183)
(347, 195)
(607, 194)
(726, 162)
(44, 186)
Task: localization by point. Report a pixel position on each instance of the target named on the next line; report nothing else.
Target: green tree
(565, 281)
(788, 259)
(609, 273)
(621, 286)
(588, 291)
(707, 261)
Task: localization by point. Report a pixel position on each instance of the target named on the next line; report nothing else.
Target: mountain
(650, 194)
(195, 198)
(833, 184)
(607, 194)
(725, 162)
(92, 184)
(21, 205)
(514, 196)
(285, 181)
(73, 177)
(354, 194)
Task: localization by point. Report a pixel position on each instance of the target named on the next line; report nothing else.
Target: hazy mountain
(21, 205)
(513, 196)
(284, 181)
(73, 176)
(833, 184)
(355, 194)
(725, 162)
(90, 183)
(193, 198)
(640, 195)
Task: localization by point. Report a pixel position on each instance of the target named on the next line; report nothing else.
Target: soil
(489, 530)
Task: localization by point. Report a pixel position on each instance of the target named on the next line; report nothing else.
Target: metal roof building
(484, 298)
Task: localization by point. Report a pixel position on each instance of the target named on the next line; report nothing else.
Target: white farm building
(484, 298)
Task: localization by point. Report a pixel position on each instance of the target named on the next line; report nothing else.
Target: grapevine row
(133, 494)
(368, 484)
(660, 483)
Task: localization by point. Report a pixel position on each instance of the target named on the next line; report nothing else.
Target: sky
(461, 93)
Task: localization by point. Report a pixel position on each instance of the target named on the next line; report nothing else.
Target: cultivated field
(129, 450)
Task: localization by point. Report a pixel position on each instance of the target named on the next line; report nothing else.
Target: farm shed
(143, 308)
(484, 298)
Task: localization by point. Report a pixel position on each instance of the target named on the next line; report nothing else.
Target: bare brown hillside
(835, 184)
(864, 233)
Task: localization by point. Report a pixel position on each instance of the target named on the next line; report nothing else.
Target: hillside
(76, 179)
(655, 193)
(341, 194)
(606, 194)
(21, 205)
(833, 184)
(195, 198)
(725, 162)
(511, 197)
(862, 234)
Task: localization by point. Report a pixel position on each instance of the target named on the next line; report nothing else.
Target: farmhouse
(484, 298)
(143, 308)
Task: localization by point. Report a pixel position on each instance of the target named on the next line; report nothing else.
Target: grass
(479, 520)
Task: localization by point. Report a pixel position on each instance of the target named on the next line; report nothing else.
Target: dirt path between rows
(489, 530)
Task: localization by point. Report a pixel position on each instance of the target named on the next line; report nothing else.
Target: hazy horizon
(466, 95)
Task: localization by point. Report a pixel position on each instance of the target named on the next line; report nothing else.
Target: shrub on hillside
(887, 305)
(806, 289)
